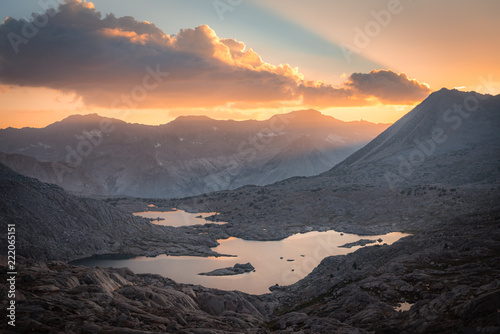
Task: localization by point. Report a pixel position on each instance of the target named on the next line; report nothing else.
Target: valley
(441, 277)
(253, 167)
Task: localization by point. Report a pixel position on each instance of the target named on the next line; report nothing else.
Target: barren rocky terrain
(447, 275)
(443, 278)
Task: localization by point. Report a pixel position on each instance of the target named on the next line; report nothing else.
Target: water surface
(280, 262)
(177, 218)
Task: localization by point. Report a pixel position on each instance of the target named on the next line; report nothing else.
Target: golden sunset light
(250, 166)
(121, 63)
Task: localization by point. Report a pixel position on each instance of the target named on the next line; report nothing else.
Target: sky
(154, 60)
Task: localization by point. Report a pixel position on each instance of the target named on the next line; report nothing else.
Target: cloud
(120, 62)
(388, 87)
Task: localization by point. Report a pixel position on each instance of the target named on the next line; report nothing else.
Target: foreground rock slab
(55, 297)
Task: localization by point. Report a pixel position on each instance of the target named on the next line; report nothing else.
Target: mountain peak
(306, 112)
(438, 102)
(81, 118)
(428, 139)
(452, 93)
(193, 118)
(310, 117)
(307, 115)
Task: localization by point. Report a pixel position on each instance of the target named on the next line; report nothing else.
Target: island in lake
(237, 269)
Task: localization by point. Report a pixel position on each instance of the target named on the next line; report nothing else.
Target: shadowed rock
(361, 242)
(237, 269)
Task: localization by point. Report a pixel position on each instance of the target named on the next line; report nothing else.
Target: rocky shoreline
(272, 213)
(57, 297)
(448, 276)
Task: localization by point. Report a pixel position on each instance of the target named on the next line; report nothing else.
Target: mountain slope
(451, 138)
(300, 158)
(54, 225)
(79, 181)
(192, 154)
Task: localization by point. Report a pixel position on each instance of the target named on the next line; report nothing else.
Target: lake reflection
(177, 218)
(280, 262)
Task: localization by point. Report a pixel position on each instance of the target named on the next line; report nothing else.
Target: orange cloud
(131, 36)
(123, 63)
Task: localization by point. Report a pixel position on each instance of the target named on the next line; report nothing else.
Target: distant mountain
(190, 155)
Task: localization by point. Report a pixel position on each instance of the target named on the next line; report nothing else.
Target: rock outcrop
(237, 269)
(362, 242)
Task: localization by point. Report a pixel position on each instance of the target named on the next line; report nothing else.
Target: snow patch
(332, 138)
(39, 144)
(89, 134)
(267, 134)
(92, 133)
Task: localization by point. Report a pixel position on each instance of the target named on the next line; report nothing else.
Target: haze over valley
(191, 155)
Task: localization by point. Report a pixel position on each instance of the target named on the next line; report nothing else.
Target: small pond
(177, 218)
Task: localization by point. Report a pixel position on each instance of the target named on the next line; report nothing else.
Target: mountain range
(93, 155)
(438, 147)
(433, 174)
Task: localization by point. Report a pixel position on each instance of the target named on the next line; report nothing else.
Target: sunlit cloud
(120, 62)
